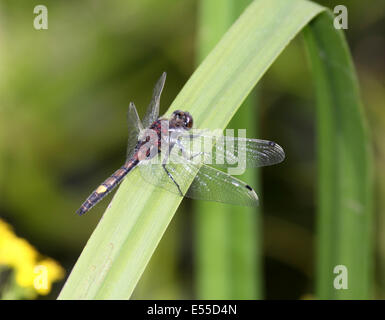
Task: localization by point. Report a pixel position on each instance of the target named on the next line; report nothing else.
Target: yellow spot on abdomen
(101, 189)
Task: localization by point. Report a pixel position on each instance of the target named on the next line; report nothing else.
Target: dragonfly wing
(207, 183)
(152, 113)
(227, 151)
(159, 173)
(214, 185)
(134, 128)
(256, 152)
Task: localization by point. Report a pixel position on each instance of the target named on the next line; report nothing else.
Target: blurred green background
(64, 93)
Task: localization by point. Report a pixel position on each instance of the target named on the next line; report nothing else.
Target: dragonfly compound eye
(177, 114)
(188, 120)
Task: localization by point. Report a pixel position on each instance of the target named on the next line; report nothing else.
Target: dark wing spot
(249, 188)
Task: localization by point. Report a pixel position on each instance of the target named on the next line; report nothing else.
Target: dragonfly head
(181, 119)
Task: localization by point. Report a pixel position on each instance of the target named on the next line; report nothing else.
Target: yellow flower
(24, 274)
(47, 272)
(31, 271)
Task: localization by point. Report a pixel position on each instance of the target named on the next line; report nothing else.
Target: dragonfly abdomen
(107, 186)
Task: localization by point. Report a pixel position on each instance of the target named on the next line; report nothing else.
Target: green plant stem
(227, 241)
(345, 169)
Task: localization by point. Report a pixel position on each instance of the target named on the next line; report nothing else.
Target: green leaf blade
(345, 168)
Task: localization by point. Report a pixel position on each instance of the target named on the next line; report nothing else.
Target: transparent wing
(227, 151)
(207, 183)
(257, 152)
(183, 172)
(215, 185)
(153, 108)
(134, 128)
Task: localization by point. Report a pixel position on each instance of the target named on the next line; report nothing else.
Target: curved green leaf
(345, 170)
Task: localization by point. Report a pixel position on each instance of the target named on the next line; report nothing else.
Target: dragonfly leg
(172, 178)
(186, 156)
(198, 154)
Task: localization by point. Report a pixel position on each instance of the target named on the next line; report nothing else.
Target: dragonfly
(161, 148)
